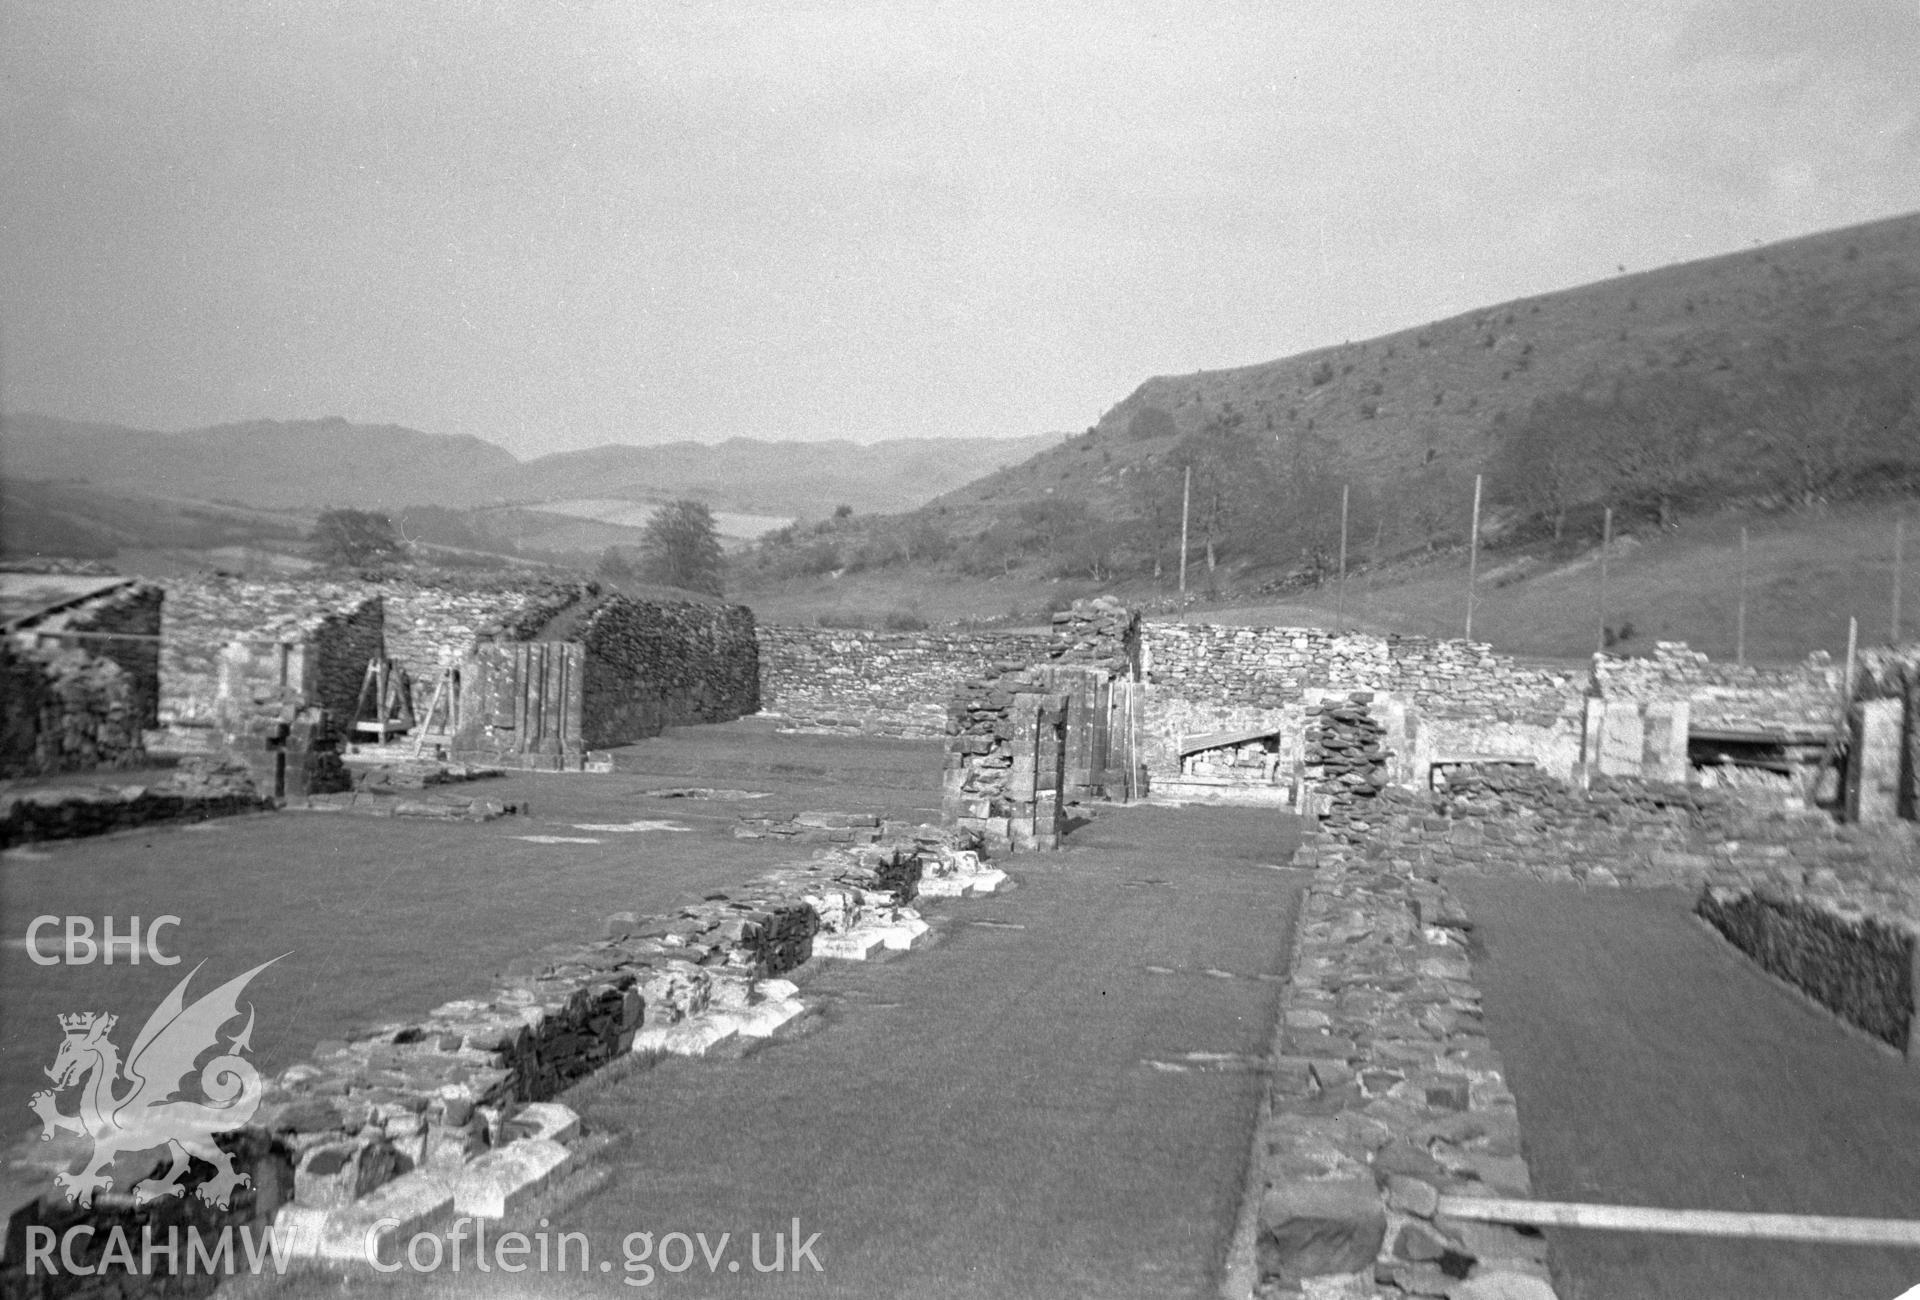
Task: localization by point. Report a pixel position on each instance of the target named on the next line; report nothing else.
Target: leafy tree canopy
(353, 538)
(681, 549)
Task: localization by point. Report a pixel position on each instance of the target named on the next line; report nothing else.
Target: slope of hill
(744, 476)
(1789, 373)
(80, 522)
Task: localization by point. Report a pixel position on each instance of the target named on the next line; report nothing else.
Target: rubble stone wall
(81, 703)
(1857, 966)
(1004, 763)
(431, 626)
(656, 664)
(203, 616)
(825, 680)
(1450, 698)
(1386, 1096)
(424, 625)
(1728, 697)
(77, 811)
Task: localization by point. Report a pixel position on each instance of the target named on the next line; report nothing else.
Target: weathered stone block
(1309, 1229)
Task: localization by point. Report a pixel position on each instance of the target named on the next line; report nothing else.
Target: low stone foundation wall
(811, 827)
(412, 1121)
(1386, 1095)
(120, 1230)
(1857, 966)
(197, 792)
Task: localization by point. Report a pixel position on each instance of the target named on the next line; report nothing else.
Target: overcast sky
(555, 225)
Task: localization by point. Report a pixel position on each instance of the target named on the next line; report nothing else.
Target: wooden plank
(1693, 1223)
(1219, 739)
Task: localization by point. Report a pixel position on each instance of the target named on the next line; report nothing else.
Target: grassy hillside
(1787, 375)
(1807, 571)
(61, 519)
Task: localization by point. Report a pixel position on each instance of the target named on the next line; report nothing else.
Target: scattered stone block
(501, 1181)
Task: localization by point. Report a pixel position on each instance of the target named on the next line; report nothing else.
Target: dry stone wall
(656, 664)
(827, 680)
(1858, 966)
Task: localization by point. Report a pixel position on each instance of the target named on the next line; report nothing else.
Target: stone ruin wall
(422, 628)
(848, 681)
(78, 704)
(1886, 732)
(318, 656)
(1438, 699)
(1025, 742)
(430, 627)
(649, 664)
(1800, 700)
(203, 617)
(657, 664)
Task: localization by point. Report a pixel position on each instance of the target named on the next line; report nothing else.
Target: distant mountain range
(309, 464)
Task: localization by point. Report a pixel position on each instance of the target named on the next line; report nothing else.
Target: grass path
(980, 1118)
(385, 918)
(1655, 1066)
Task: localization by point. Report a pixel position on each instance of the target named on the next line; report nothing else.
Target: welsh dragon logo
(148, 1114)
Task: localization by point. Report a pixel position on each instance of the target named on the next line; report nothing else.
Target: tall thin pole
(1606, 544)
(1473, 554)
(1740, 615)
(1186, 497)
(1899, 561)
(1853, 645)
(1340, 606)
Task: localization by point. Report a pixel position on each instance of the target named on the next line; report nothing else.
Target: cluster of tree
(1251, 497)
(356, 539)
(848, 544)
(1649, 444)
